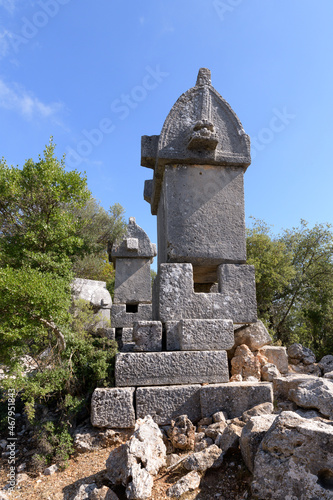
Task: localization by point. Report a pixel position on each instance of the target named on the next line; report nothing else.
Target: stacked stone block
(179, 362)
(132, 295)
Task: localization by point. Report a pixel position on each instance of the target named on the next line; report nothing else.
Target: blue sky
(98, 75)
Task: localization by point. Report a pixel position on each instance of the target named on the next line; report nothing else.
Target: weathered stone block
(113, 408)
(99, 298)
(254, 336)
(127, 335)
(122, 319)
(276, 355)
(128, 347)
(167, 403)
(197, 196)
(92, 291)
(172, 336)
(171, 368)
(147, 336)
(144, 249)
(206, 334)
(238, 288)
(202, 130)
(133, 280)
(234, 397)
(172, 287)
(175, 299)
(110, 333)
(283, 385)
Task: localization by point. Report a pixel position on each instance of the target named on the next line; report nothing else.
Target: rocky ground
(231, 481)
(218, 458)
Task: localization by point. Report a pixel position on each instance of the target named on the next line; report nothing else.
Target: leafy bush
(51, 229)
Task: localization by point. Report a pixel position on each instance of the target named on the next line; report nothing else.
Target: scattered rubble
(187, 483)
(135, 463)
(182, 433)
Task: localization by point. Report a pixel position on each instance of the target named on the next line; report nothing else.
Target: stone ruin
(174, 344)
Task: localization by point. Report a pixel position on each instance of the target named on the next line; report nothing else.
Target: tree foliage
(38, 204)
(294, 280)
(51, 229)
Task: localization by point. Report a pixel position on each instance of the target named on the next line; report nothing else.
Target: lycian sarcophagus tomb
(203, 286)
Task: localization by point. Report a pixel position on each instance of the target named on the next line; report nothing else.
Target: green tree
(51, 227)
(294, 281)
(307, 300)
(100, 229)
(38, 223)
(273, 267)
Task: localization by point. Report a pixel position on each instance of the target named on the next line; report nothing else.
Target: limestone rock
(329, 375)
(187, 483)
(229, 438)
(147, 446)
(203, 444)
(276, 355)
(85, 491)
(51, 470)
(252, 435)
(311, 369)
(326, 364)
(141, 485)
(97, 295)
(316, 393)
(22, 477)
(117, 465)
(182, 433)
(294, 460)
(300, 354)
(269, 372)
(302, 360)
(88, 438)
(199, 436)
(310, 414)
(203, 460)
(134, 463)
(3, 496)
(245, 363)
(220, 416)
(283, 385)
(205, 421)
(258, 410)
(254, 336)
(103, 493)
(214, 430)
(172, 459)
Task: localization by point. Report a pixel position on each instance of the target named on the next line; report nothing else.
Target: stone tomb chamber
(174, 340)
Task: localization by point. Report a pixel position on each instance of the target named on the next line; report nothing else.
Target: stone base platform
(120, 407)
(180, 367)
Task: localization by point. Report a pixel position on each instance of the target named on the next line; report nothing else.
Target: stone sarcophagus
(204, 286)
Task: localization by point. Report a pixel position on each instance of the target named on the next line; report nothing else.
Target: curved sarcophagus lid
(202, 128)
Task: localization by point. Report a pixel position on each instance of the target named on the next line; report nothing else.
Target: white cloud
(26, 103)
